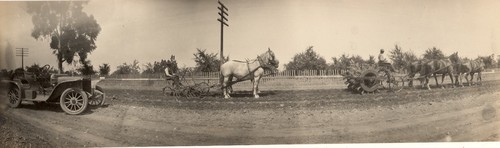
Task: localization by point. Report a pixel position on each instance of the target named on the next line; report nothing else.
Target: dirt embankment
(140, 118)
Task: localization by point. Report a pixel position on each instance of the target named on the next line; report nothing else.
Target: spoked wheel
(14, 97)
(369, 82)
(384, 79)
(98, 97)
(396, 84)
(73, 101)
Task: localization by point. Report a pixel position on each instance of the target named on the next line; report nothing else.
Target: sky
(151, 30)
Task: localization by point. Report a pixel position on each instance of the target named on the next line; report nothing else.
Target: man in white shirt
(172, 76)
(382, 61)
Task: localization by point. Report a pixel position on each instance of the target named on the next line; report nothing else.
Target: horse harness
(251, 72)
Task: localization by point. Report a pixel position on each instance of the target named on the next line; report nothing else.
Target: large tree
(71, 31)
(308, 60)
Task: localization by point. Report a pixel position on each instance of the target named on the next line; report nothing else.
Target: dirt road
(140, 118)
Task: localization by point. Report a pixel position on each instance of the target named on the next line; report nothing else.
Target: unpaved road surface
(147, 118)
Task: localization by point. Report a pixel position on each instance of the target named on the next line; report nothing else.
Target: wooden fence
(215, 75)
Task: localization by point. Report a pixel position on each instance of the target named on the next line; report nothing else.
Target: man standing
(382, 61)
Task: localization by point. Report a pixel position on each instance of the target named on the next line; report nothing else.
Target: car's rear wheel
(14, 97)
(73, 101)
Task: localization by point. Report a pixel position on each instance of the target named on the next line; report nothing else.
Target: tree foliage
(104, 69)
(159, 66)
(346, 61)
(397, 57)
(70, 30)
(410, 57)
(433, 54)
(207, 62)
(308, 60)
(86, 68)
(125, 68)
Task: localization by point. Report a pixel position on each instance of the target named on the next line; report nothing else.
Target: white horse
(247, 70)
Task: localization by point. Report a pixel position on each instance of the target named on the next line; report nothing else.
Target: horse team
(452, 66)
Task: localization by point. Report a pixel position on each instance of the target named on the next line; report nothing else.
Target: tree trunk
(60, 63)
(59, 56)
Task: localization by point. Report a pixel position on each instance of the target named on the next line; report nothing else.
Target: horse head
(268, 60)
(454, 58)
(480, 61)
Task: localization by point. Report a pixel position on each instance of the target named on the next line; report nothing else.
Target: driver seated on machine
(172, 76)
(382, 61)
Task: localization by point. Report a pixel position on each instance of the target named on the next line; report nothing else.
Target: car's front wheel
(73, 101)
(14, 97)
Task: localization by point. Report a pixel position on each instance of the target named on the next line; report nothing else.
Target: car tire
(74, 101)
(14, 95)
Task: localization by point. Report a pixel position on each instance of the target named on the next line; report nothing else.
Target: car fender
(16, 84)
(61, 87)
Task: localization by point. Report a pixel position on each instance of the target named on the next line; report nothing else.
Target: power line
(22, 52)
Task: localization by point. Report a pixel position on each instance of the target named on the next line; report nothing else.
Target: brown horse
(433, 67)
(477, 66)
(462, 67)
(247, 70)
(413, 69)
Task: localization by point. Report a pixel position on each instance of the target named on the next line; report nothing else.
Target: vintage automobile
(73, 93)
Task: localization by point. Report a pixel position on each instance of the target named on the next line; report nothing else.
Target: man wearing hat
(382, 61)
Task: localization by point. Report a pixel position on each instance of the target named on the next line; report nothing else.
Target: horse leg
(411, 80)
(467, 78)
(230, 87)
(427, 83)
(442, 80)
(255, 84)
(460, 81)
(225, 86)
(457, 80)
(435, 78)
(451, 78)
(479, 78)
(471, 78)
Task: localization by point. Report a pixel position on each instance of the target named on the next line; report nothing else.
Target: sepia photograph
(246, 73)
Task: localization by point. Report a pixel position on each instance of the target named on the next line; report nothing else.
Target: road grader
(367, 79)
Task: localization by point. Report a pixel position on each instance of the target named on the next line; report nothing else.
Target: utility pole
(222, 13)
(22, 52)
